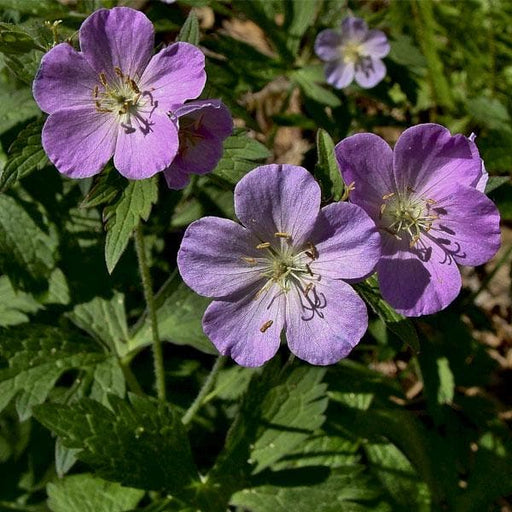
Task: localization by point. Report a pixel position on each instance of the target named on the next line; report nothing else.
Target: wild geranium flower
(355, 52)
(203, 126)
(283, 268)
(426, 198)
(113, 97)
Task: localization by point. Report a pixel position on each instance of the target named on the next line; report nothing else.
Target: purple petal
(431, 161)
(327, 45)
(248, 330)
(354, 29)
(325, 325)
(174, 75)
(347, 242)
(339, 74)
(119, 37)
(418, 281)
(375, 44)
(211, 258)
(369, 72)
(146, 147)
(176, 179)
(278, 198)
(79, 142)
(470, 228)
(366, 160)
(64, 80)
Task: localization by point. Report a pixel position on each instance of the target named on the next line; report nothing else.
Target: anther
(388, 196)
(414, 241)
(281, 234)
(96, 91)
(118, 71)
(247, 259)
(382, 208)
(103, 79)
(312, 252)
(308, 289)
(431, 201)
(410, 189)
(348, 189)
(266, 325)
(134, 86)
(263, 245)
(308, 268)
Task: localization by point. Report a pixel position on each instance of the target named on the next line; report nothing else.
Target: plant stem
(158, 359)
(129, 377)
(198, 402)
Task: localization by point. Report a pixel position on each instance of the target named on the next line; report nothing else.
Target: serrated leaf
(14, 39)
(241, 154)
(307, 79)
(189, 32)
(88, 493)
(37, 355)
(27, 253)
(398, 324)
(25, 155)
(326, 170)
(179, 315)
(108, 380)
(314, 488)
(104, 320)
(124, 216)
(107, 186)
(15, 306)
(140, 444)
(17, 106)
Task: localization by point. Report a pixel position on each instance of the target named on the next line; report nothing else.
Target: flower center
(350, 52)
(407, 215)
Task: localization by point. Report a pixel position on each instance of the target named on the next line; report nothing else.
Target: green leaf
(25, 155)
(179, 315)
(189, 32)
(503, 199)
(314, 488)
(240, 155)
(108, 380)
(124, 216)
(105, 320)
(326, 170)
(37, 356)
(446, 388)
(88, 493)
(496, 182)
(14, 39)
(299, 16)
(490, 112)
(397, 324)
(140, 444)
(108, 185)
(45, 8)
(17, 106)
(307, 79)
(27, 253)
(15, 306)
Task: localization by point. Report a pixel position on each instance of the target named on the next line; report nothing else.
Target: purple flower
(203, 126)
(426, 197)
(284, 268)
(113, 97)
(355, 52)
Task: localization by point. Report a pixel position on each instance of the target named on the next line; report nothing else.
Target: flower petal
(367, 161)
(147, 146)
(211, 255)
(119, 37)
(248, 330)
(278, 198)
(339, 74)
(79, 142)
(64, 80)
(347, 242)
(327, 45)
(354, 29)
(375, 44)
(175, 178)
(469, 226)
(418, 281)
(174, 75)
(369, 72)
(431, 161)
(325, 325)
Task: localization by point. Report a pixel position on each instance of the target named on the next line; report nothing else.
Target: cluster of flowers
(414, 214)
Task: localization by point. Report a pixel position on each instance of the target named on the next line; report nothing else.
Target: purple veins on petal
(115, 85)
(423, 196)
(353, 53)
(282, 269)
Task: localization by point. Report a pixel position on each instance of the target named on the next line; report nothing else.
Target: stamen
(414, 241)
(382, 209)
(96, 91)
(431, 201)
(410, 189)
(308, 268)
(388, 196)
(266, 325)
(103, 79)
(118, 71)
(348, 189)
(312, 252)
(281, 234)
(263, 245)
(247, 259)
(308, 289)
(134, 87)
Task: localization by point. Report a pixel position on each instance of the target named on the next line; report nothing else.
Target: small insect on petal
(266, 325)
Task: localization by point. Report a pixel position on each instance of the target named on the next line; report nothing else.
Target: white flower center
(350, 52)
(407, 214)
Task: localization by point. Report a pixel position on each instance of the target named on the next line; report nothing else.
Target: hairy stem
(158, 359)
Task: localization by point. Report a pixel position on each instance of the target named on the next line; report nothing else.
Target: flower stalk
(158, 359)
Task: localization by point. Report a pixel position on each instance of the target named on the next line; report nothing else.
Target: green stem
(198, 402)
(158, 358)
(129, 377)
